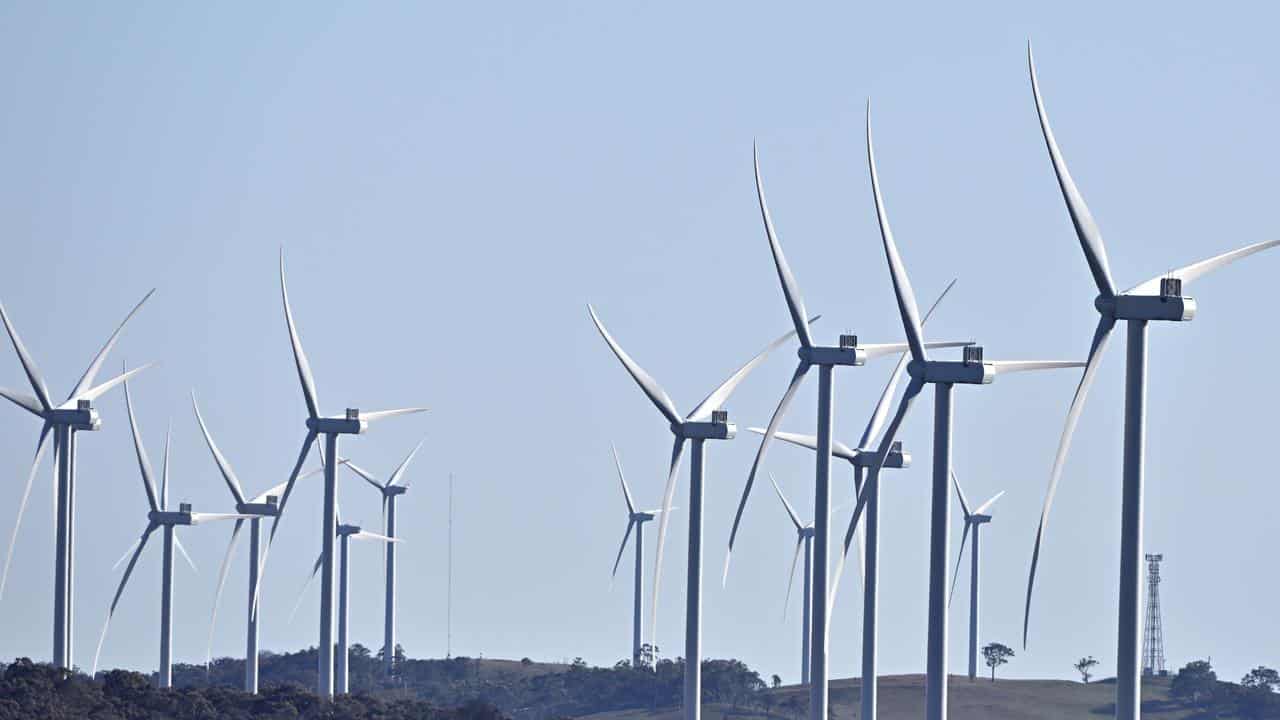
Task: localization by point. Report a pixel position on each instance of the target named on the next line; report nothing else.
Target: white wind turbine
(804, 543)
(263, 505)
(159, 517)
(973, 520)
(389, 490)
(706, 422)
(943, 375)
(635, 520)
(65, 420)
(353, 422)
(1157, 299)
(345, 533)
(848, 353)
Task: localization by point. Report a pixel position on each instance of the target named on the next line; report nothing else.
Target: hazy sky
(452, 183)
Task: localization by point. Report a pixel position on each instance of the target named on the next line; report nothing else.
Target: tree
(777, 682)
(1195, 682)
(1262, 678)
(1084, 665)
(996, 655)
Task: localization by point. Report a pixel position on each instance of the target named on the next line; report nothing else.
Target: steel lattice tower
(1152, 633)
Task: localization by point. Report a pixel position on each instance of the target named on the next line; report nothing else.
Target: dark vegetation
(1255, 697)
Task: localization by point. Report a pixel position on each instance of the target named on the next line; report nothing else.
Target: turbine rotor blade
(1095, 252)
(315, 570)
(1198, 269)
(677, 451)
(222, 581)
(656, 394)
(364, 474)
(791, 512)
(133, 561)
(838, 448)
(621, 548)
(28, 365)
(99, 390)
(721, 394)
(278, 489)
(224, 467)
(144, 464)
(875, 350)
(1004, 367)
(1096, 349)
(956, 574)
(791, 576)
(24, 401)
(964, 503)
(178, 544)
(626, 493)
(299, 357)
(164, 470)
(92, 371)
(781, 410)
(901, 283)
(790, 289)
(275, 523)
(404, 464)
(371, 417)
(22, 504)
(982, 509)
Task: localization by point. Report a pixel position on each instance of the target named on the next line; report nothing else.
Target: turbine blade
(838, 448)
(956, 574)
(144, 464)
(202, 518)
(133, 561)
(404, 464)
(791, 576)
(371, 417)
(873, 478)
(275, 524)
(1004, 367)
(24, 401)
(22, 504)
(790, 290)
(164, 470)
(964, 503)
(28, 365)
(1095, 252)
(677, 451)
(982, 509)
(98, 391)
(875, 350)
(881, 413)
(1198, 269)
(781, 410)
(901, 283)
(626, 491)
(1100, 337)
(621, 548)
(183, 551)
(278, 489)
(366, 535)
(224, 467)
(91, 372)
(721, 394)
(364, 474)
(791, 512)
(315, 570)
(126, 554)
(222, 581)
(656, 394)
(299, 357)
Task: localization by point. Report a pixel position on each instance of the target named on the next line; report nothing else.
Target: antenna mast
(448, 652)
(1153, 633)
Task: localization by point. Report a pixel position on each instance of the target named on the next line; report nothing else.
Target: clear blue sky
(453, 183)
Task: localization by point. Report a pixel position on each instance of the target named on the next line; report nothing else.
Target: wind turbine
(706, 422)
(827, 358)
(265, 504)
(804, 542)
(75, 414)
(390, 490)
(345, 533)
(635, 519)
(943, 375)
(1157, 299)
(159, 516)
(353, 422)
(973, 520)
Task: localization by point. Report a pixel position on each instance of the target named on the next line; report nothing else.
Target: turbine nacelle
(81, 417)
(969, 371)
(847, 353)
(167, 517)
(895, 458)
(270, 508)
(1168, 306)
(718, 428)
(392, 490)
(977, 519)
(348, 530)
(349, 424)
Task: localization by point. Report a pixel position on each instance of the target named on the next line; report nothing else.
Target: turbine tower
(943, 375)
(973, 520)
(75, 414)
(159, 517)
(263, 505)
(390, 490)
(635, 519)
(847, 353)
(706, 422)
(345, 534)
(1159, 299)
(353, 422)
(863, 458)
(804, 542)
